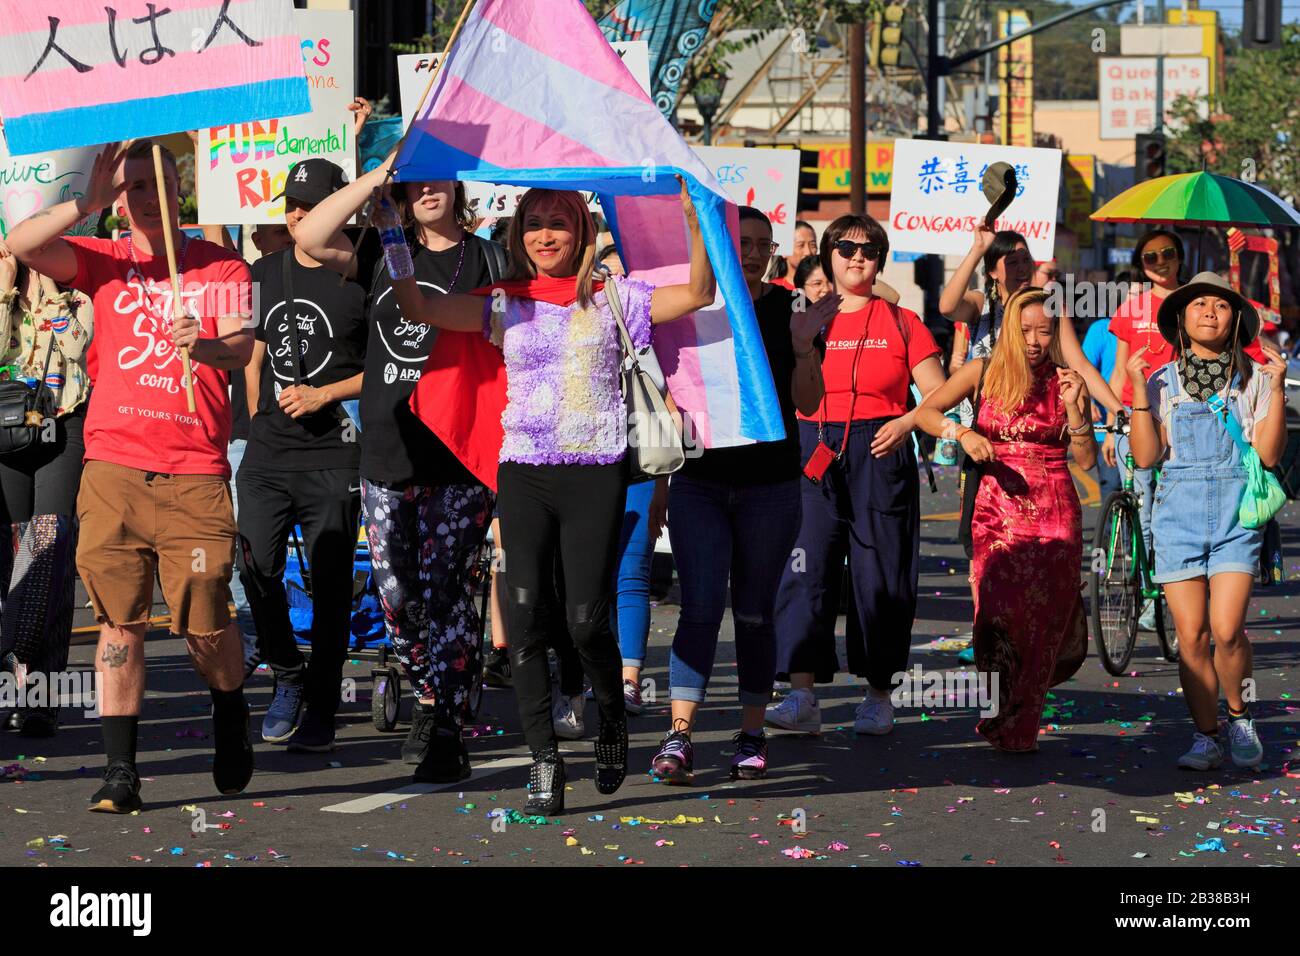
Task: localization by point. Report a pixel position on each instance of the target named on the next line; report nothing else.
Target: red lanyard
(853, 400)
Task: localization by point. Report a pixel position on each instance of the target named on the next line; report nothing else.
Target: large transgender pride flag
(532, 94)
(84, 72)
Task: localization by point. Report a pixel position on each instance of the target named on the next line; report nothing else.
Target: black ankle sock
(120, 735)
(227, 701)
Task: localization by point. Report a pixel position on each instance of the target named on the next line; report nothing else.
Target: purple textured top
(564, 398)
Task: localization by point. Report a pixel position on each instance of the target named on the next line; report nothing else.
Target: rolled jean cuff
(749, 698)
(693, 694)
(633, 662)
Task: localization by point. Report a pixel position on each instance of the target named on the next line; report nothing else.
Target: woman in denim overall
(1206, 560)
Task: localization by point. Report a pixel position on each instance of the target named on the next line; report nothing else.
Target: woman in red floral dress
(1026, 526)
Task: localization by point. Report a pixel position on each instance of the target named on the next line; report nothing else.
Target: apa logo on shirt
(407, 342)
(392, 374)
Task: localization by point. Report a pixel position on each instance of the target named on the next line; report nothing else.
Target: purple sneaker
(750, 761)
(675, 761)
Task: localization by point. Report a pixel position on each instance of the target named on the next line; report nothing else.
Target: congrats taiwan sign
(936, 198)
(241, 167)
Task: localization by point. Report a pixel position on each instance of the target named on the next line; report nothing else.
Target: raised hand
(1071, 385)
(1136, 369)
(100, 190)
(806, 323)
(1276, 370)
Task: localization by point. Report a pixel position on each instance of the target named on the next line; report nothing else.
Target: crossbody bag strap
(616, 309)
(853, 397)
(1225, 414)
(291, 311)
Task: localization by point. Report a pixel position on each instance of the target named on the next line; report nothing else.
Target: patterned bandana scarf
(1205, 377)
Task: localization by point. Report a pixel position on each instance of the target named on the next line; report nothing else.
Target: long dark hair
(460, 210)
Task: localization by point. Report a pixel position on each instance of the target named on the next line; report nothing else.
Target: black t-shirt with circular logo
(396, 447)
(332, 337)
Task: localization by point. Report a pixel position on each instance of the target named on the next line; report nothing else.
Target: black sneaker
(37, 722)
(232, 765)
(315, 735)
(445, 760)
(496, 668)
(611, 755)
(416, 745)
(546, 783)
(120, 792)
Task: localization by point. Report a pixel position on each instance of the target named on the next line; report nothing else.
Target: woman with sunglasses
(1158, 257)
(733, 514)
(860, 496)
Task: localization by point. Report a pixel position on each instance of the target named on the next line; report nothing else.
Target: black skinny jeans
(579, 509)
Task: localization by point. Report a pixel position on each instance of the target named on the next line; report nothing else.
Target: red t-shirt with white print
(137, 415)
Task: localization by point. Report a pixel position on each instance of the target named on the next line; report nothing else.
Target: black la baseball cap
(311, 180)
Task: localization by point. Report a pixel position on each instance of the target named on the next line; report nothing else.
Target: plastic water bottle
(396, 254)
(945, 452)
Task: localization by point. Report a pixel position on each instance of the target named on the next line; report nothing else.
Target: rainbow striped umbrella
(1199, 199)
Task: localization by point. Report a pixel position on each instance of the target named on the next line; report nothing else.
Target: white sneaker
(1204, 755)
(566, 717)
(1243, 743)
(875, 715)
(798, 711)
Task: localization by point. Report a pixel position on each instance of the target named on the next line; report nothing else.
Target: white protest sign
(936, 198)
(241, 167)
(37, 181)
(489, 199)
(767, 179)
(1126, 91)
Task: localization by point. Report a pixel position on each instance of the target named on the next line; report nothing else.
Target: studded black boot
(546, 783)
(611, 755)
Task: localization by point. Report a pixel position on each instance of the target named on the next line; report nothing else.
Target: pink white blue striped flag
(532, 94)
(83, 72)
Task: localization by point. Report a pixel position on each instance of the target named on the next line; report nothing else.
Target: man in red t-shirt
(154, 493)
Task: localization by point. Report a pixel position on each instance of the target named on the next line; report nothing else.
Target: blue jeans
(1144, 486)
(720, 532)
(631, 618)
(243, 613)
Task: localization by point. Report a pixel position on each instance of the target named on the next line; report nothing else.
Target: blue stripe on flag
(155, 116)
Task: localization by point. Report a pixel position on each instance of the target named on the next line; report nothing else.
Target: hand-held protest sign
(187, 373)
(71, 74)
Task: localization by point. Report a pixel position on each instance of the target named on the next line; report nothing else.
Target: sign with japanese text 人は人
(240, 168)
(86, 72)
(936, 199)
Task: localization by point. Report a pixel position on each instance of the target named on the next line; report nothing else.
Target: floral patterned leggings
(423, 545)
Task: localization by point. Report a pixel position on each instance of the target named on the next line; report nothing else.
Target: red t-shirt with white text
(137, 415)
(885, 367)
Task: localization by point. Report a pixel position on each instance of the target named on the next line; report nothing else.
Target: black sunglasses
(1167, 253)
(870, 250)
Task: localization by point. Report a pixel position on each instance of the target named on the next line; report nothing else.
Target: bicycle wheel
(1116, 592)
(1166, 632)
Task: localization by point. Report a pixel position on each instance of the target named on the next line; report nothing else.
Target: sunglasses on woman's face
(1168, 253)
(846, 249)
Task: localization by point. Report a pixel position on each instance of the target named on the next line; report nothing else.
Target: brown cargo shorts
(134, 523)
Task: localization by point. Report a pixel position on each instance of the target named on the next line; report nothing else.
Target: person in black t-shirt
(733, 514)
(426, 515)
(300, 467)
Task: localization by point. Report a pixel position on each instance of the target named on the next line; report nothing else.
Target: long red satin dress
(1027, 533)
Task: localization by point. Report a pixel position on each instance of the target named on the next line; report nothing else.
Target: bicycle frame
(1142, 564)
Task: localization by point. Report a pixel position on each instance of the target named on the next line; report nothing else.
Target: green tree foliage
(1261, 131)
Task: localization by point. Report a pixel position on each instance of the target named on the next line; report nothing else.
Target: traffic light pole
(938, 66)
(1160, 71)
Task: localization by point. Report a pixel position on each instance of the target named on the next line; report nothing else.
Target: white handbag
(654, 440)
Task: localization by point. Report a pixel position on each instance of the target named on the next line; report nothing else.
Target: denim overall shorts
(1194, 521)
